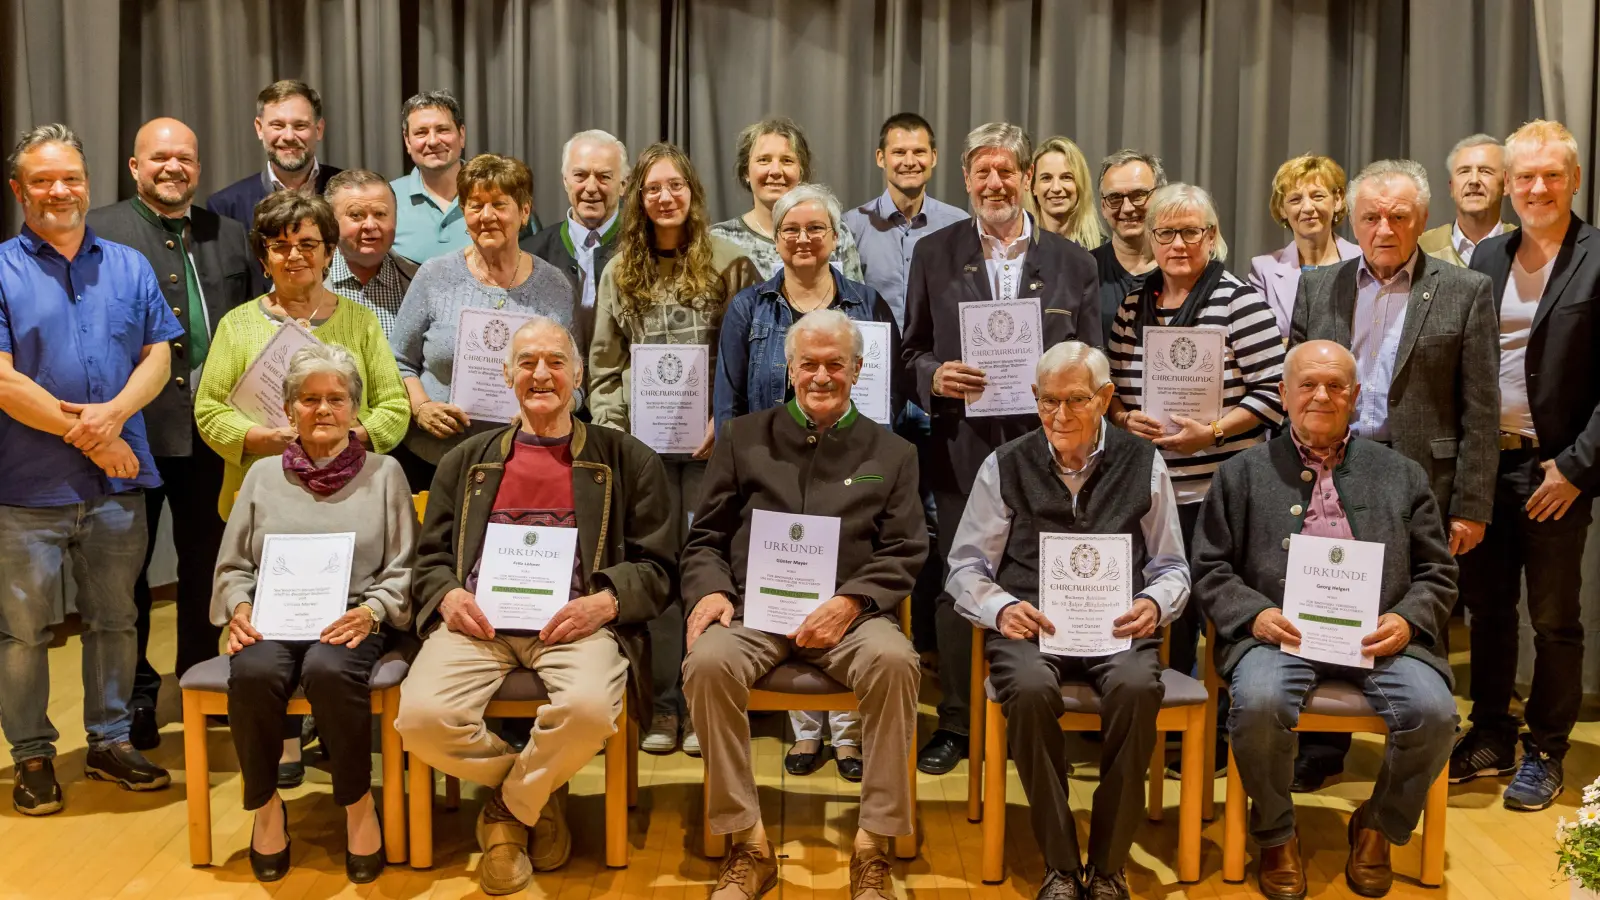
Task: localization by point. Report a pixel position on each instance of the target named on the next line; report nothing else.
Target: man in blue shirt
(83, 348)
(428, 219)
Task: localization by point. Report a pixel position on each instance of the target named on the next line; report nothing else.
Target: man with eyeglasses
(999, 255)
(1127, 179)
(1546, 277)
(1423, 333)
(1115, 483)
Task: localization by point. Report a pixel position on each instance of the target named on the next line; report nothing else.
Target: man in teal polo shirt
(428, 219)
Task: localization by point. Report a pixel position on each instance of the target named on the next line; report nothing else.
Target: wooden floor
(109, 843)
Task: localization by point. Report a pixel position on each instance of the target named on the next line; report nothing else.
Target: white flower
(1589, 815)
(1591, 794)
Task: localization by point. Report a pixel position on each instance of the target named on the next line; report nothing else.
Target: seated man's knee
(890, 663)
(1133, 684)
(426, 713)
(1256, 705)
(712, 665)
(591, 710)
(1432, 710)
(1030, 687)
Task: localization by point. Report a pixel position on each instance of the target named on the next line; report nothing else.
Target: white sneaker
(662, 736)
(691, 741)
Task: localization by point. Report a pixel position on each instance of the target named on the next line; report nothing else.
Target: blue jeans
(1268, 690)
(104, 540)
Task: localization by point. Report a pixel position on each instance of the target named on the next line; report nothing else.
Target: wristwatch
(376, 622)
(1217, 432)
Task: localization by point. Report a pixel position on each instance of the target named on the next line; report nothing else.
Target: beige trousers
(874, 660)
(452, 680)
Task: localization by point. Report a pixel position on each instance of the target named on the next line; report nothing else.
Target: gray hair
(1339, 349)
(1179, 197)
(38, 135)
(1128, 155)
(321, 359)
(1068, 354)
(831, 322)
(1388, 168)
(431, 100)
(808, 193)
(1002, 135)
(534, 323)
(1467, 143)
(599, 137)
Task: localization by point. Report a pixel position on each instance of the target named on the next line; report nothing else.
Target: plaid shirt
(382, 294)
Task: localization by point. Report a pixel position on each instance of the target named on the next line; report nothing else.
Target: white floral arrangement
(1578, 842)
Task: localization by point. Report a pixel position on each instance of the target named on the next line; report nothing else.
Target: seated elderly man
(814, 458)
(550, 471)
(1118, 484)
(1319, 480)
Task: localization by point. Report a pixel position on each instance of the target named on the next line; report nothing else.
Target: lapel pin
(971, 268)
(1035, 285)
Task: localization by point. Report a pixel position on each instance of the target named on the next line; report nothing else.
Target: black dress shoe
(1311, 776)
(272, 866)
(146, 734)
(941, 753)
(805, 763)
(850, 768)
(291, 775)
(365, 869)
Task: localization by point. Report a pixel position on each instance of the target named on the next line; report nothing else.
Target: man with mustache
(999, 255)
(202, 263)
(83, 348)
(366, 267)
(1127, 179)
(429, 221)
(1477, 185)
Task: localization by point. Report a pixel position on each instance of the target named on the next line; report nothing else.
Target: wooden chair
(1331, 706)
(798, 686)
(1182, 709)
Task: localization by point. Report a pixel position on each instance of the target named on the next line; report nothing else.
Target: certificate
(670, 396)
(1183, 372)
(1085, 585)
(871, 393)
(525, 574)
(1331, 595)
(303, 585)
(259, 392)
(1004, 339)
(794, 560)
(478, 379)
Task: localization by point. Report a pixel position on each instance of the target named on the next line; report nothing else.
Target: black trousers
(262, 678)
(1028, 685)
(952, 633)
(191, 485)
(1550, 555)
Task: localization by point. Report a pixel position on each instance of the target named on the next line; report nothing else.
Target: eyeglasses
(791, 233)
(1137, 198)
(335, 402)
(1190, 235)
(675, 186)
(285, 249)
(1074, 403)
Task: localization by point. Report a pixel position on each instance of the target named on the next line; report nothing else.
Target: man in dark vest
(203, 264)
(1116, 484)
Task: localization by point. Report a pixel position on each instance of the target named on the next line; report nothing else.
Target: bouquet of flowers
(1578, 842)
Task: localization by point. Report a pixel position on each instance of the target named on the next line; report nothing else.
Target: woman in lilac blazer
(1307, 199)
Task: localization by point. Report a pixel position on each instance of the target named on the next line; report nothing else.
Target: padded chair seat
(1338, 698)
(212, 675)
(522, 685)
(1079, 697)
(799, 678)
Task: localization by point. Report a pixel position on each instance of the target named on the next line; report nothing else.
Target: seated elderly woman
(1307, 199)
(327, 485)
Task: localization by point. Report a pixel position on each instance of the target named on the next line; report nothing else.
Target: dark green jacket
(857, 470)
(619, 491)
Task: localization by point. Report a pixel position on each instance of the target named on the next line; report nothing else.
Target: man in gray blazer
(1319, 479)
(1426, 342)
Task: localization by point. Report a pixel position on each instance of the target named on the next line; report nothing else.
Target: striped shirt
(1254, 360)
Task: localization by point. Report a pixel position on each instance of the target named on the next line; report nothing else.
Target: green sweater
(242, 333)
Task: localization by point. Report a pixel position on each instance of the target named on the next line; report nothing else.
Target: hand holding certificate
(525, 574)
(258, 394)
(1003, 339)
(1331, 595)
(670, 396)
(478, 379)
(1085, 585)
(793, 569)
(871, 392)
(303, 585)
(1183, 374)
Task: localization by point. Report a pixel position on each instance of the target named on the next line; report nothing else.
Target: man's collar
(34, 244)
(149, 214)
(889, 212)
(1459, 239)
(1027, 230)
(804, 421)
(274, 184)
(1363, 271)
(1309, 456)
(607, 229)
(339, 271)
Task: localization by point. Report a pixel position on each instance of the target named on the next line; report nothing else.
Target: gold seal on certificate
(1331, 593)
(303, 585)
(794, 562)
(1004, 339)
(1085, 585)
(871, 393)
(669, 396)
(525, 574)
(1183, 374)
(258, 395)
(478, 379)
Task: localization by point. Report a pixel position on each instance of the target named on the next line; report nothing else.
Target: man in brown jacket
(814, 456)
(552, 471)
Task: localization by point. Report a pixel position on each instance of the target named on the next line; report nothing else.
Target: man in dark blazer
(1424, 335)
(1546, 278)
(203, 263)
(999, 255)
(1319, 479)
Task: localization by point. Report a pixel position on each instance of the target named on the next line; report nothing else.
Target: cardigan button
(172, 278)
(811, 439)
(477, 477)
(1285, 543)
(599, 478)
(178, 381)
(1306, 475)
(171, 245)
(1281, 582)
(1296, 510)
(176, 311)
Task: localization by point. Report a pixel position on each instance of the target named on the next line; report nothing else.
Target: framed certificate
(478, 376)
(258, 394)
(1183, 373)
(793, 569)
(303, 585)
(670, 396)
(1004, 338)
(1085, 585)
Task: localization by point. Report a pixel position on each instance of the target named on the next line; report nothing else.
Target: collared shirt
(1518, 305)
(1325, 517)
(1004, 258)
(980, 541)
(382, 294)
(422, 228)
(77, 329)
(200, 324)
(885, 239)
(1380, 316)
(582, 241)
(1465, 245)
(311, 180)
(805, 421)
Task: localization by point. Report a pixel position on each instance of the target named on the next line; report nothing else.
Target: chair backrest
(420, 503)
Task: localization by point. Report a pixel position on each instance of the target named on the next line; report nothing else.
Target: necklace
(304, 321)
(480, 270)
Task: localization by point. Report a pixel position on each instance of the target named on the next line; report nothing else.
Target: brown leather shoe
(1367, 870)
(749, 871)
(1282, 874)
(870, 877)
(504, 868)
